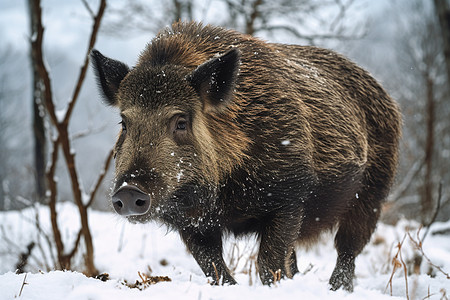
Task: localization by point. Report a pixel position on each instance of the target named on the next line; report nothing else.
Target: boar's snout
(130, 201)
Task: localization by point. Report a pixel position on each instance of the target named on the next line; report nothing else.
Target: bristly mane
(188, 44)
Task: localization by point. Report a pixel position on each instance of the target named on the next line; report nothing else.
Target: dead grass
(398, 263)
(414, 265)
(146, 280)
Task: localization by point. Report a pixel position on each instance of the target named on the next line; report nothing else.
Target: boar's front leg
(207, 251)
(276, 257)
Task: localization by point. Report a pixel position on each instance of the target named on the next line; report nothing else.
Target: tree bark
(427, 199)
(250, 20)
(40, 145)
(182, 8)
(442, 8)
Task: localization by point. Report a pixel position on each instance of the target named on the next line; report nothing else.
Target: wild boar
(225, 133)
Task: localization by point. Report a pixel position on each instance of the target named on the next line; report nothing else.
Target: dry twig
(217, 273)
(436, 212)
(23, 259)
(276, 275)
(23, 284)
(418, 245)
(398, 262)
(444, 294)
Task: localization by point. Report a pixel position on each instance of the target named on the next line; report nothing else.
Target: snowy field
(122, 250)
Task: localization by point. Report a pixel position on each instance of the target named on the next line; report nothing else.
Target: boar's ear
(215, 79)
(109, 74)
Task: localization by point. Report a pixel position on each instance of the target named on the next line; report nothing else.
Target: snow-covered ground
(122, 250)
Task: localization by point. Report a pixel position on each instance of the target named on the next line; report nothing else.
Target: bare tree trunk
(182, 8)
(427, 199)
(40, 146)
(443, 12)
(250, 20)
(63, 140)
(189, 10)
(178, 10)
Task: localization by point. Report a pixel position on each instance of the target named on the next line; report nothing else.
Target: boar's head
(167, 155)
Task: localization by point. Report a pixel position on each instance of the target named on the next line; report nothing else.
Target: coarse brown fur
(301, 141)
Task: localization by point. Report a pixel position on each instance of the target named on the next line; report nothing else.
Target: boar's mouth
(129, 200)
(187, 204)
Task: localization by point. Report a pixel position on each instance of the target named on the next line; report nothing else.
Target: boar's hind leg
(276, 257)
(293, 263)
(355, 229)
(207, 251)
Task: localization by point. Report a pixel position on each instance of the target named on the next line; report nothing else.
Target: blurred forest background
(49, 100)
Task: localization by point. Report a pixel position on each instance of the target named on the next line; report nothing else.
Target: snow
(61, 114)
(122, 250)
(179, 175)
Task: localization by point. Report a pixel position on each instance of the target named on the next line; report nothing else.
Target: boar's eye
(179, 126)
(124, 127)
(181, 123)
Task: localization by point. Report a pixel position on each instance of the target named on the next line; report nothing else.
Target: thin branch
(398, 262)
(23, 284)
(89, 9)
(70, 156)
(52, 201)
(95, 28)
(23, 258)
(75, 245)
(407, 180)
(343, 8)
(8, 240)
(436, 212)
(40, 233)
(88, 131)
(13, 247)
(38, 59)
(405, 271)
(309, 38)
(418, 244)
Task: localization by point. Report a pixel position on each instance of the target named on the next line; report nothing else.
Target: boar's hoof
(226, 280)
(342, 276)
(130, 201)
